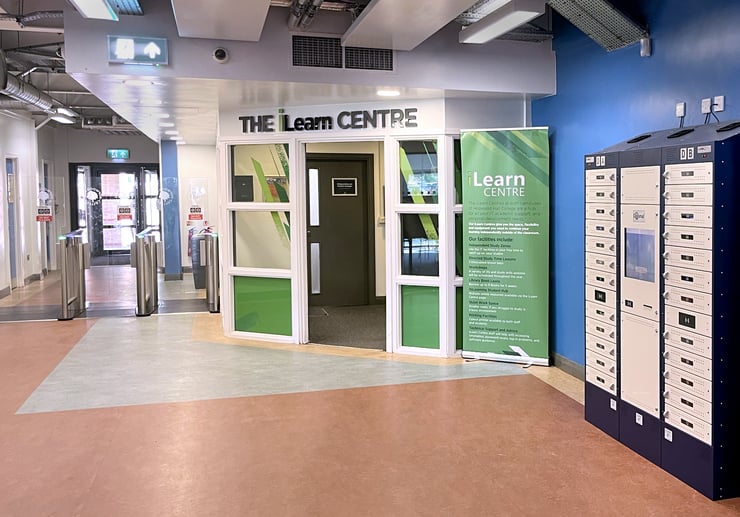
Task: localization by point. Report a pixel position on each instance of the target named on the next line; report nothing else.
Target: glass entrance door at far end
(115, 203)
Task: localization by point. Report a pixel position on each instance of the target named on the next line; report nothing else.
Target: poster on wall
(506, 232)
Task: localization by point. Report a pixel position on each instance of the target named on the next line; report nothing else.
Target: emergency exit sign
(137, 50)
(118, 154)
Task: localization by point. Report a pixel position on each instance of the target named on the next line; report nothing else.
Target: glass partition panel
(420, 244)
(420, 316)
(457, 157)
(261, 239)
(260, 173)
(262, 305)
(419, 175)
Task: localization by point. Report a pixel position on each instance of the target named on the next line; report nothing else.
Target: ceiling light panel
(505, 19)
(95, 9)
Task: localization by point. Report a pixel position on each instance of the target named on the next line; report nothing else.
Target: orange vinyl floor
(164, 416)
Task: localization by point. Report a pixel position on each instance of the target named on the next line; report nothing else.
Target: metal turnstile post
(144, 259)
(210, 252)
(73, 260)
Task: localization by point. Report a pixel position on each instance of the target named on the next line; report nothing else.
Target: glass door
(114, 204)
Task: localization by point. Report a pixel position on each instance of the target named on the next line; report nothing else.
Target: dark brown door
(338, 248)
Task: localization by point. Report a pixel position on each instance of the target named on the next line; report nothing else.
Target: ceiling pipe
(19, 90)
(308, 16)
(297, 9)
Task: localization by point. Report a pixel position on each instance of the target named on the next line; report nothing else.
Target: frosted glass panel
(260, 173)
(261, 239)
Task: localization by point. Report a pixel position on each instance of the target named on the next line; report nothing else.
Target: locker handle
(665, 354)
(612, 282)
(666, 254)
(666, 214)
(666, 194)
(611, 335)
(665, 235)
(666, 275)
(666, 394)
(665, 374)
(666, 414)
(612, 212)
(666, 295)
(666, 174)
(613, 177)
(666, 335)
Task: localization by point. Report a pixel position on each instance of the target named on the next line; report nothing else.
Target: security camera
(221, 55)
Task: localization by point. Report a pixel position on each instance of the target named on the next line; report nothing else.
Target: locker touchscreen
(639, 251)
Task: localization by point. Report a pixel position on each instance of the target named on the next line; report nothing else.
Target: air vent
(639, 138)
(368, 58)
(679, 134)
(729, 127)
(319, 52)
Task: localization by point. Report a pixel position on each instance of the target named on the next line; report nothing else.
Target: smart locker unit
(662, 273)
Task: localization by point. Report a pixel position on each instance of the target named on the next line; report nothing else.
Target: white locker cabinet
(601, 285)
(668, 377)
(693, 279)
(601, 279)
(685, 237)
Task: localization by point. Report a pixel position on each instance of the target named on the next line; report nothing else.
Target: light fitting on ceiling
(166, 124)
(171, 132)
(138, 82)
(507, 17)
(388, 93)
(62, 119)
(96, 9)
(66, 112)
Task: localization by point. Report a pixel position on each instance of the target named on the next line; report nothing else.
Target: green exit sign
(118, 154)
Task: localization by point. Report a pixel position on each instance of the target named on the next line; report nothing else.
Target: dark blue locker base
(643, 439)
(692, 461)
(599, 412)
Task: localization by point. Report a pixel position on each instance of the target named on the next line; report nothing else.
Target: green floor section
(130, 361)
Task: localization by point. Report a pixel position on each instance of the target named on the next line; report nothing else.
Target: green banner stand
(506, 232)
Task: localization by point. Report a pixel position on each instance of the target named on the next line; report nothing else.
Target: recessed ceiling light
(180, 142)
(176, 138)
(388, 93)
(171, 132)
(163, 115)
(166, 124)
(138, 82)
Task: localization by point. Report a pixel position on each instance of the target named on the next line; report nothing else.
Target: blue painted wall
(606, 97)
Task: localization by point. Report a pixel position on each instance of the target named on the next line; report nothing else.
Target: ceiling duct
(302, 13)
(19, 90)
(600, 21)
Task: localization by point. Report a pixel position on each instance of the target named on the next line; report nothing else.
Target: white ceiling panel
(401, 24)
(221, 19)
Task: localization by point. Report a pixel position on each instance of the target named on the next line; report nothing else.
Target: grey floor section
(131, 361)
(361, 326)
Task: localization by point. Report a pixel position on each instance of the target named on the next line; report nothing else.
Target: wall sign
(506, 233)
(137, 50)
(356, 119)
(195, 213)
(125, 213)
(44, 214)
(118, 154)
(344, 186)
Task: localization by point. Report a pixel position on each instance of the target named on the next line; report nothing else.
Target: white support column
(446, 190)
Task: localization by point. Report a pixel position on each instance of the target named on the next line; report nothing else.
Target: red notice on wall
(43, 214)
(125, 213)
(195, 213)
